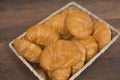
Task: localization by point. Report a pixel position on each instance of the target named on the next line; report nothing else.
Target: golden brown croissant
(102, 34)
(41, 34)
(60, 74)
(60, 54)
(66, 33)
(69, 11)
(56, 22)
(91, 47)
(82, 50)
(28, 50)
(79, 24)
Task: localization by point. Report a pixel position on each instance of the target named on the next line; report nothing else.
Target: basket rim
(73, 3)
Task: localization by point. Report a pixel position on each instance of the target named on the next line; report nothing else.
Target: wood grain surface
(18, 15)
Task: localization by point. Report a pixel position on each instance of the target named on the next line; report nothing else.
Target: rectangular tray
(39, 73)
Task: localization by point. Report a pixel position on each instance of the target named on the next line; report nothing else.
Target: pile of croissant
(63, 43)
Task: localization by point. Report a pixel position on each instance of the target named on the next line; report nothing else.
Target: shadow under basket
(39, 72)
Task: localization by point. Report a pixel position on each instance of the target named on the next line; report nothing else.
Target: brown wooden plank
(17, 16)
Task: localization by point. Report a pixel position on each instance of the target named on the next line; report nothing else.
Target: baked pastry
(28, 50)
(102, 34)
(82, 50)
(41, 34)
(79, 24)
(69, 11)
(91, 47)
(60, 74)
(56, 22)
(58, 55)
(66, 34)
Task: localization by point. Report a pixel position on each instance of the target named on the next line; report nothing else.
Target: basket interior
(36, 67)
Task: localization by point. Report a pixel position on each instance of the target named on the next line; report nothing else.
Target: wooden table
(17, 16)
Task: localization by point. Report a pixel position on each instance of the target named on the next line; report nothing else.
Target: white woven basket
(39, 74)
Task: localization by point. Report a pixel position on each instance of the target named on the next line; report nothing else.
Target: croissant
(79, 24)
(82, 50)
(56, 22)
(60, 74)
(58, 55)
(28, 50)
(69, 11)
(41, 34)
(91, 47)
(102, 34)
(66, 34)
